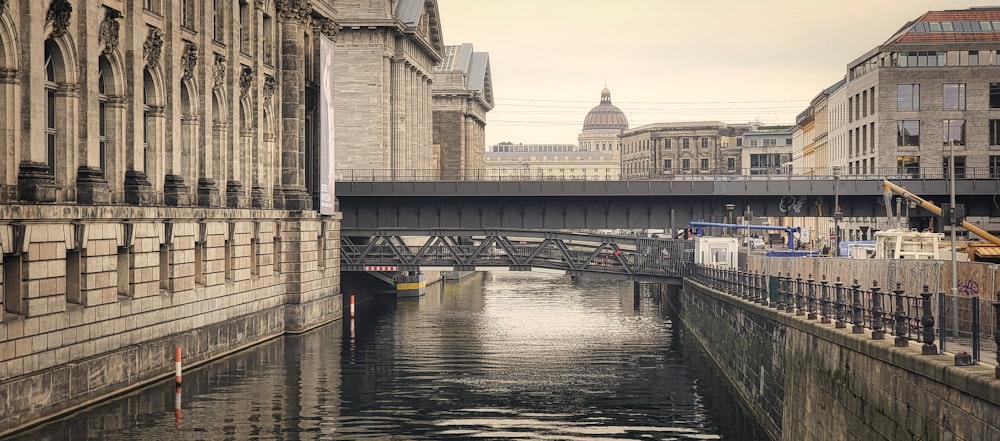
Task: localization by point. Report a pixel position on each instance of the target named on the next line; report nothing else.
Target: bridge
(496, 202)
(634, 258)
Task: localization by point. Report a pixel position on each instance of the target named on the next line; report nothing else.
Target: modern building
(667, 150)
(932, 88)
(603, 127)
(767, 150)
(550, 161)
(463, 94)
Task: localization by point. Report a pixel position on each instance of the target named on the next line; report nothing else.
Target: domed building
(603, 126)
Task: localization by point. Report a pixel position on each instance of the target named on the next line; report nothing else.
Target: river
(508, 356)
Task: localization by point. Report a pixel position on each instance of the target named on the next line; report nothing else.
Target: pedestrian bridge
(582, 255)
(380, 201)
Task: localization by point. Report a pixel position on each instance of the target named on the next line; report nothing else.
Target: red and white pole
(352, 305)
(177, 364)
(177, 391)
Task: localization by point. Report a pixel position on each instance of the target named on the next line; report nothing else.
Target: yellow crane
(902, 192)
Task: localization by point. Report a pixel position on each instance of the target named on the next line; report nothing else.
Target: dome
(605, 116)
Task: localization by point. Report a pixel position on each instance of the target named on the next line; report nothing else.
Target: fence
(904, 315)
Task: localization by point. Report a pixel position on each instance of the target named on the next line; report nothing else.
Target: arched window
(147, 100)
(103, 78)
(51, 132)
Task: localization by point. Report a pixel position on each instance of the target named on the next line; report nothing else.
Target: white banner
(326, 144)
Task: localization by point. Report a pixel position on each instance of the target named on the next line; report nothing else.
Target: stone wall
(809, 381)
(96, 298)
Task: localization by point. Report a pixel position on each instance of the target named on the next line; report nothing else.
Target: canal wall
(94, 306)
(804, 380)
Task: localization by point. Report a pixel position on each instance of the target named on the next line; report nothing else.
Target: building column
(398, 149)
(293, 15)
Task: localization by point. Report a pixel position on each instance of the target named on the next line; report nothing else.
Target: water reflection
(518, 356)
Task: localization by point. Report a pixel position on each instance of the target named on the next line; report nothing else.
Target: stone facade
(463, 94)
(667, 150)
(384, 74)
(158, 176)
(550, 162)
(803, 380)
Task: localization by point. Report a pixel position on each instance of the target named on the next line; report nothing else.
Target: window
(151, 5)
(667, 164)
(907, 97)
(954, 132)
(687, 143)
(219, 20)
(666, 143)
(973, 58)
(124, 283)
(165, 266)
(994, 167)
(50, 107)
(908, 133)
(199, 263)
(12, 276)
(788, 141)
(995, 132)
(187, 14)
(739, 142)
(103, 72)
(731, 163)
(704, 163)
(953, 97)
(267, 40)
(244, 27)
(959, 167)
(753, 142)
(704, 142)
(995, 93)
(73, 294)
(686, 164)
(908, 165)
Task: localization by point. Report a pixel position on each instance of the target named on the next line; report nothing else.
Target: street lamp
(836, 170)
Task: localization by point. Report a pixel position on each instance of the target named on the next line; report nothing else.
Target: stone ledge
(978, 381)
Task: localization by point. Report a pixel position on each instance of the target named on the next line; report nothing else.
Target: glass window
(954, 132)
(731, 163)
(959, 167)
(953, 97)
(908, 165)
(907, 97)
(667, 164)
(686, 164)
(973, 58)
(994, 167)
(687, 143)
(908, 133)
(995, 95)
(666, 143)
(704, 164)
(994, 132)
(704, 142)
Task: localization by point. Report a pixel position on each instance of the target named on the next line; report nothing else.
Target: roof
(605, 116)
(980, 24)
(475, 66)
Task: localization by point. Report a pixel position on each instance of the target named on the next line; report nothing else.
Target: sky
(734, 61)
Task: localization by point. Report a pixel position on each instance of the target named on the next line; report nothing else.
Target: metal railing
(615, 174)
(883, 312)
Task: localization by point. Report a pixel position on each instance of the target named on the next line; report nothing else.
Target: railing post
(943, 326)
(877, 332)
(800, 295)
(902, 328)
(811, 292)
(857, 319)
(762, 289)
(825, 301)
(996, 333)
(780, 303)
(928, 324)
(838, 291)
(976, 324)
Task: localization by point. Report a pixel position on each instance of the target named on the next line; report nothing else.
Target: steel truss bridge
(634, 258)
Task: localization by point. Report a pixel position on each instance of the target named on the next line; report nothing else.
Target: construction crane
(891, 188)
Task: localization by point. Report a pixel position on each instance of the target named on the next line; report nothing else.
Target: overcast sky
(665, 60)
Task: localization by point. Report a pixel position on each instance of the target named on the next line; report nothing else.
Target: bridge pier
(412, 285)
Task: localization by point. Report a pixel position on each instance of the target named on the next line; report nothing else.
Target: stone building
(550, 161)
(666, 150)
(931, 87)
(159, 169)
(603, 127)
(386, 52)
(463, 94)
